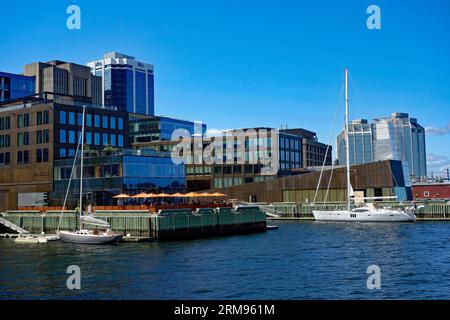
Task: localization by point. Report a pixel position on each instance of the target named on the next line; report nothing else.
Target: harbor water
(300, 260)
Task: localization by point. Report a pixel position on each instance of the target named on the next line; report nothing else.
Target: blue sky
(258, 63)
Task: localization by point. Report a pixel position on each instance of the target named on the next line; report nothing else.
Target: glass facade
(127, 173)
(128, 83)
(398, 137)
(14, 86)
(161, 128)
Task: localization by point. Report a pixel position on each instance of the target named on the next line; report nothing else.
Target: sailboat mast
(347, 144)
(82, 165)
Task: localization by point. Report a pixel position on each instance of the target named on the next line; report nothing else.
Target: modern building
(14, 86)
(37, 131)
(398, 137)
(376, 179)
(126, 171)
(360, 141)
(127, 83)
(66, 79)
(241, 166)
(315, 153)
(153, 128)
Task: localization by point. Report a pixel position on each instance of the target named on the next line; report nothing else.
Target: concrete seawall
(166, 226)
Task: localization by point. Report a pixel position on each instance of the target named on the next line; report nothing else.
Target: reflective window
(62, 117)
(72, 118)
(62, 136)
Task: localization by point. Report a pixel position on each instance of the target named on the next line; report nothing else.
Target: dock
(145, 226)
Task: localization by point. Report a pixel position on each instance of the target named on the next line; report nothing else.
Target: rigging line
(328, 188)
(70, 180)
(329, 144)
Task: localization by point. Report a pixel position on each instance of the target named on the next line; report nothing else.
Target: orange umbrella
(177, 195)
(192, 195)
(121, 196)
(140, 195)
(205, 194)
(163, 195)
(218, 194)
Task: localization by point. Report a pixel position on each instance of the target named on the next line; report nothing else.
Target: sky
(238, 64)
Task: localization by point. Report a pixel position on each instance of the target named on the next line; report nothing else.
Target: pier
(142, 225)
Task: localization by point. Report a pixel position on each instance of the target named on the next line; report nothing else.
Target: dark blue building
(14, 86)
(127, 83)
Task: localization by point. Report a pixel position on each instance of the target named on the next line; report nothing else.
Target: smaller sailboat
(86, 236)
(367, 213)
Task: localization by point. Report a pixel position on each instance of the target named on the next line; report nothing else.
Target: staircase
(12, 226)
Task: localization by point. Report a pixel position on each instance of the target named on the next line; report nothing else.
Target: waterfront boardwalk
(167, 225)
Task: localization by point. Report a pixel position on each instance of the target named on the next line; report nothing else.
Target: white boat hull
(81, 238)
(370, 216)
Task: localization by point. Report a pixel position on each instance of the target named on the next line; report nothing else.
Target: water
(299, 261)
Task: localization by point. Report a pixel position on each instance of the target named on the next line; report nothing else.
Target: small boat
(89, 237)
(30, 239)
(272, 227)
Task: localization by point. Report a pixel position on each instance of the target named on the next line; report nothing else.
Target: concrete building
(127, 83)
(14, 86)
(38, 131)
(65, 78)
(397, 137)
(377, 179)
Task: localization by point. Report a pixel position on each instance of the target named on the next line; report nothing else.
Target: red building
(434, 191)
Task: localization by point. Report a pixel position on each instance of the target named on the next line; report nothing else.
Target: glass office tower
(127, 83)
(360, 140)
(14, 86)
(397, 137)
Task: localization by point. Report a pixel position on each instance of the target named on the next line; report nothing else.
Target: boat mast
(82, 165)
(347, 144)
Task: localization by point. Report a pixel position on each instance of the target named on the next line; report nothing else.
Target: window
(88, 137)
(46, 117)
(113, 140)
(39, 155)
(62, 136)
(19, 157)
(71, 153)
(26, 138)
(426, 193)
(112, 123)
(26, 120)
(39, 118)
(38, 137)
(62, 153)
(120, 140)
(26, 157)
(105, 122)
(62, 117)
(105, 139)
(97, 121)
(19, 121)
(72, 118)
(80, 119)
(89, 120)
(120, 123)
(97, 139)
(71, 136)
(45, 155)
(4, 159)
(20, 139)
(23, 157)
(46, 137)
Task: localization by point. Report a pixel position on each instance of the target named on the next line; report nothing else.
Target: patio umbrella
(140, 196)
(218, 194)
(121, 196)
(163, 195)
(192, 195)
(177, 195)
(205, 194)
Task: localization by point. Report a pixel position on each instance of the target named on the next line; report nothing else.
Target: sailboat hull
(368, 216)
(75, 237)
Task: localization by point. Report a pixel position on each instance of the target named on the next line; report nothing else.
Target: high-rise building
(397, 137)
(360, 141)
(127, 83)
(14, 86)
(66, 79)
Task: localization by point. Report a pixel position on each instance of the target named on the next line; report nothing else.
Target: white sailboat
(367, 213)
(85, 236)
